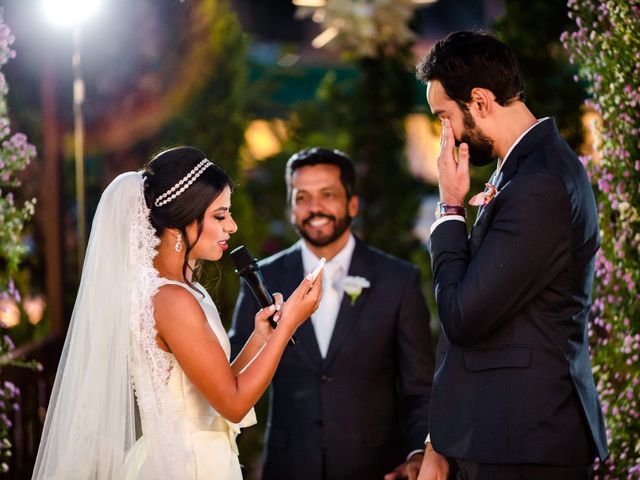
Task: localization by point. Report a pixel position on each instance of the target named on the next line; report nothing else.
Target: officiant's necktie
(324, 319)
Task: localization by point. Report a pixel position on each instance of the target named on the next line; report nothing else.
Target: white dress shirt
(324, 318)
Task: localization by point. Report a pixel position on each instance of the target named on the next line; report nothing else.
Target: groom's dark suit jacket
(357, 413)
(514, 382)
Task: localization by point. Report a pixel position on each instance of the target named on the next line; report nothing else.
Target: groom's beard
(480, 146)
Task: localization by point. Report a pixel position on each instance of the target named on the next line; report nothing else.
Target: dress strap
(166, 281)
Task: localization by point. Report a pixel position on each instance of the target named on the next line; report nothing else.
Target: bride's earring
(178, 246)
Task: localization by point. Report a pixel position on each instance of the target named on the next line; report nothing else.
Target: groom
(351, 400)
(513, 396)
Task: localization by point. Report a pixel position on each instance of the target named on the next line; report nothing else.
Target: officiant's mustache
(318, 215)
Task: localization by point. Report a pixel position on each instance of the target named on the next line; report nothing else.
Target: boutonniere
(353, 286)
(483, 198)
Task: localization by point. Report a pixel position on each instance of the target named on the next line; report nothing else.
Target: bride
(142, 323)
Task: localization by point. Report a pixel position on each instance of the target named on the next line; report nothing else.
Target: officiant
(351, 400)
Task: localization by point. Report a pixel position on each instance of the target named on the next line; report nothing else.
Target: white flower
(353, 286)
(366, 28)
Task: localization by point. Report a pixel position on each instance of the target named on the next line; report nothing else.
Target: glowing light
(319, 15)
(309, 3)
(592, 127)
(34, 308)
(422, 146)
(264, 138)
(325, 37)
(9, 313)
(70, 12)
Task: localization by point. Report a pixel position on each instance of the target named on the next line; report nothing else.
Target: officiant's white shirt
(324, 319)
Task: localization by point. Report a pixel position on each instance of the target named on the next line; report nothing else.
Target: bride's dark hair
(165, 170)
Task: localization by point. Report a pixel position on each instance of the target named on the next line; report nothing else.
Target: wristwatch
(444, 209)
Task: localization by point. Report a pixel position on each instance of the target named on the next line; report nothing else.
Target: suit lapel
(528, 143)
(509, 170)
(493, 181)
(348, 313)
(483, 220)
(307, 341)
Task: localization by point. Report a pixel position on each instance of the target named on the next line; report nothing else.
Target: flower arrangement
(606, 47)
(482, 199)
(15, 154)
(364, 28)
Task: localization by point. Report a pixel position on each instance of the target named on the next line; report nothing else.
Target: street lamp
(71, 13)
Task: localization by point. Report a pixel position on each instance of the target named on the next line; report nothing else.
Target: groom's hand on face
(453, 173)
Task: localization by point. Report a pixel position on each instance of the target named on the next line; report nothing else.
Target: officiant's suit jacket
(357, 413)
(514, 382)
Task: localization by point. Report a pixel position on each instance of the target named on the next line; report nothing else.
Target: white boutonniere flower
(353, 286)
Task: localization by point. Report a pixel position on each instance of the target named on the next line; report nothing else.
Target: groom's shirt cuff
(446, 218)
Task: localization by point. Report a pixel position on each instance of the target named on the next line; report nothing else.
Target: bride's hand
(301, 304)
(262, 327)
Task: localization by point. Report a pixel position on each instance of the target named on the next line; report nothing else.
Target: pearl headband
(186, 181)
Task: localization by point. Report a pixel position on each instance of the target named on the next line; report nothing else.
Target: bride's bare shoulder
(175, 304)
(182, 328)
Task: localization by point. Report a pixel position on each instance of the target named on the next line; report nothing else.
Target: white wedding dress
(90, 430)
(212, 450)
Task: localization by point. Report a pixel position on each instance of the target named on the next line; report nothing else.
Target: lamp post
(71, 13)
(78, 144)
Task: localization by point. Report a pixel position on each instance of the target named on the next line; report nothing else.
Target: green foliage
(605, 46)
(214, 120)
(319, 122)
(15, 155)
(532, 29)
(363, 115)
(382, 99)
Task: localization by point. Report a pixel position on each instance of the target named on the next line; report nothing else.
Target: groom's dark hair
(318, 156)
(466, 60)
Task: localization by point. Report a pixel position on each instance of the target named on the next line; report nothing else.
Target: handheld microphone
(247, 267)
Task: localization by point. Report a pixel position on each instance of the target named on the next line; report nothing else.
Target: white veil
(110, 346)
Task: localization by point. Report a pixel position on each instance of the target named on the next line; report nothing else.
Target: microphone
(247, 267)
